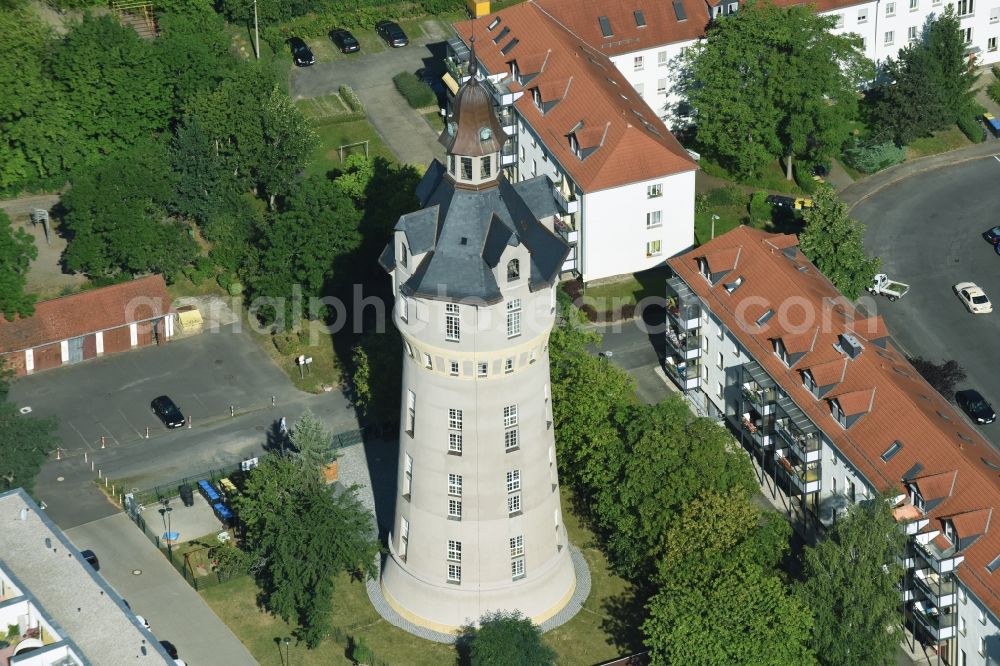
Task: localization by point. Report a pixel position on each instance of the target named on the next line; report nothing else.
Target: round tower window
(485, 134)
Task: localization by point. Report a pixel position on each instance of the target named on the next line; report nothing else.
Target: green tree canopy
(194, 51)
(850, 583)
(17, 249)
(772, 81)
(378, 369)
(302, 534)
(835, 243)
(25, 441)
(504, 638)
(312, 440)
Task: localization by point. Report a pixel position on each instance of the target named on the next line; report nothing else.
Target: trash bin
(187, 494)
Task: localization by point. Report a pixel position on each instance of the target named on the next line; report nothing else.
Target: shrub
(972, 129)
(351, 99)
(760, 210)
(872, 157)
(417, 93)
(730, 195)
(803, 176)
(286, 342)
(201, 270)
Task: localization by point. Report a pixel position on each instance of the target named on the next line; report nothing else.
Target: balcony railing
(761, 398)
(939, 589)
(939, 623)
(806, 447)
(687, 345)
(458, 70)
(806, 479)
(686, 375)
(942, 561)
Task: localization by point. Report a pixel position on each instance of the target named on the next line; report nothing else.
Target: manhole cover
(136, 572)
(25, 410)
(60, 478)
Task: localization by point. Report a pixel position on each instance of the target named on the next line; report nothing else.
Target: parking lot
(928, 231)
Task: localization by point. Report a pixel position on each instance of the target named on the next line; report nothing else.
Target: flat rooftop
(80, 605)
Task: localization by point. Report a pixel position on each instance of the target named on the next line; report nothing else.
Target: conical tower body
(478, 525)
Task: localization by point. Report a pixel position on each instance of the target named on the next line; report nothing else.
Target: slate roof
(87, 312)
(900, 406)
(583, 93)
(465, 231)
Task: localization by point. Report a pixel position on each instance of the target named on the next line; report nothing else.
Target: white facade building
(478, 525)
(834, 412)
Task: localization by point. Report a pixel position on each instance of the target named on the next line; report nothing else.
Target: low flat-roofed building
(62, 611)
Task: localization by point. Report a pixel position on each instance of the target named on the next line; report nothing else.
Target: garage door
(75, 347)
(90, 346)
(145, 333)
(48, 357)
(116, 340)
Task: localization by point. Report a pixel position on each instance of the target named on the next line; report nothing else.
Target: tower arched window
(513, 270)
(403, 254)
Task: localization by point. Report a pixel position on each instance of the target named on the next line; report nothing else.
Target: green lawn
(604, 629)
(939, 142)
(728, 219)
(433, 119)
(628, 291)
(326, 155)
(323, 109)
(772, 178)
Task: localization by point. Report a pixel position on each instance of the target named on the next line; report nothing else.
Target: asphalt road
(928, 231)
(636, 346)
(109, 397)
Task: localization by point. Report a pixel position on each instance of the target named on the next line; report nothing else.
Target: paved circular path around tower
(354, 471)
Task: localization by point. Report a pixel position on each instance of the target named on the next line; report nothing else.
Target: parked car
(791, 203)
(973, 298)
(186, 493)
(91, 558)
(975, 405)
(993, 235)
(819, 172)
(170, 648)
(167, 411)
(882, 285)
(143, 621)
(391, 33)
(344, 40)
(302, 55)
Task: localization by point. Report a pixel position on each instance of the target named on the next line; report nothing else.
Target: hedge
(351, 99)
(972, 129)
(869, 158)
(803, 176)
(759, 208)
(417, 93)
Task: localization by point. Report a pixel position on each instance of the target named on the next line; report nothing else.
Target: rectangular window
(455, 485)
(982, 645)
(661, 86)
(889, 37)
(995, 15)
(839, 21)
(454, 368)
(514, 504)
(513, 317)
(452, 322)
(455, 442)
(914, 5)
(408, 348)
(640, 88)
(513, 480)
(517, 546)
(963, 596)
(522, 153)
(510, 416)
(404, 536)
(485, 168)
(451, 164)
(508, 366)
(890, 9)
(982, 616)
(863, 15)
(454, 508)
(965, 7)
(911, 34)
(653, 191)
(966, 35)
(661, 59)
(510, 439)
(404, 308)
(411, 411)
(935, 3)
(454, 419)
(653, 219)
(454, 551)
(407, 474)
(402, 254)
(534, 167)
(637, 63)
(454, 573)
(467, 168)
(653, 248)
(962, 628)
(482, 369)
(517, 568)
(428, 363)
(721, 361)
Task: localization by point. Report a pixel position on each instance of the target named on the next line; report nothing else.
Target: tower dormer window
(451, 164)
(402, 255)
(485, 167)
(513, 270)
(466, 168)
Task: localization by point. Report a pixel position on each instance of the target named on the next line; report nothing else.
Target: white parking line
(125, 418)
(85, 442)
(997, 158)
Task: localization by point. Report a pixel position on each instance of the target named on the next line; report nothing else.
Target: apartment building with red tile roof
(625, 183)
(817, 389)
(88, 324)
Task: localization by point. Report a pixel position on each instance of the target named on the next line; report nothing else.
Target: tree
(312, 440)
(25, 442)
(504, 638)
(204, 185)
(835, 243)
(850, 583)
(288, 140)
(770, 82)
(194, 50)
(943, 377)
(743, 615)
(303, 534)
(378, 370)
(116, 215)
(17, 250)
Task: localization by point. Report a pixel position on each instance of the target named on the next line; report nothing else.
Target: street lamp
(165, 512)
(288, 659)
(714, 218)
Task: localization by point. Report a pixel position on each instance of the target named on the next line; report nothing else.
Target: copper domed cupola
(475, 129)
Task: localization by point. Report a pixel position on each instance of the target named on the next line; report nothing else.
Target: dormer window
(574, 145)
(402, 254)
(780, 351)
(917, 500)
(536, 97)
(485, 167)
(809, 382)
(838, 413)
(513, 270)
(466, 168)
(732, 286)
(949, 532)
(451, 165)
(515, 73)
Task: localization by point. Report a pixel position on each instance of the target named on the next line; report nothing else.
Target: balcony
(564, 227)
(758, 427)
(805, 477)
(508, 155)
(806, 448)
(686, 345)
(939, 623)
(683, 307)
(567, 202)
(458, 70)
(686, 375)
(761, 399)
(940, 590)
(941, 560)
(508, 120)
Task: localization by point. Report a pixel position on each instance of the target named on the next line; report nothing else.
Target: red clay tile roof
(662, 26)
(936, 486)
(804, 341)
(903, 408)
(971, 523)
(855, 402)
(723, 260)
(87, 312)
(870, 328)
(600, 105)
(829, 373)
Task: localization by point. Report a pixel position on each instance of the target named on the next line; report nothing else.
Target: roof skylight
(893, 449)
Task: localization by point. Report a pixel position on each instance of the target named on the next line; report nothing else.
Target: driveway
(928, 231)
(109, 397)
(402, 129)
(154, 589)
(637, 346)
